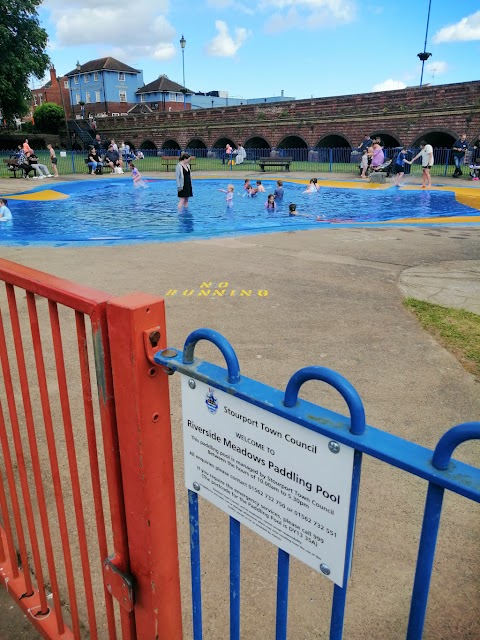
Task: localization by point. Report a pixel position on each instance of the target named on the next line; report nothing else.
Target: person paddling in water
(183, 177)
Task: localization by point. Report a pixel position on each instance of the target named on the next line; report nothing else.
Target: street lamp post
(425, 55)
(183, 42)
(79, 66)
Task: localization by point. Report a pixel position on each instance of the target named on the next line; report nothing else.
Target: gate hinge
(118, 583)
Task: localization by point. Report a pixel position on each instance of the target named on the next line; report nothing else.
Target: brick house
(52, 91)
(106, 86)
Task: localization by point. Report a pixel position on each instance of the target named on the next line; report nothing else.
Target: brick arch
(430, 134)
(148, 144)
(292, 136)
(193, 143)
(221, 143)
(333, 139)
(171, 143)
(389, 138)
(251, 142)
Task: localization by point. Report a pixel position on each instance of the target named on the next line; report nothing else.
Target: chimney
(53, 75)
(282, 93)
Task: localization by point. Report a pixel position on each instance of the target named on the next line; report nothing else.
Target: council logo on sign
(211, 401)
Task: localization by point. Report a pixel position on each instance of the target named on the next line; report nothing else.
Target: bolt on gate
(102, 556)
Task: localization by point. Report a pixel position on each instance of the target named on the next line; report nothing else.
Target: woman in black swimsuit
(183, 177)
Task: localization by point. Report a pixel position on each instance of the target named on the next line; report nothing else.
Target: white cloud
(230, 4)
(466, 29)
(223, 44)
(114, 27)
(436, 66)
(308, 14)
(389, 85)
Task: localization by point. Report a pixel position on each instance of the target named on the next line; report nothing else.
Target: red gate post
(145, 441)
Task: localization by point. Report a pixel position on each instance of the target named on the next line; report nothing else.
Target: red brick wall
(52, 93)
(406, 114)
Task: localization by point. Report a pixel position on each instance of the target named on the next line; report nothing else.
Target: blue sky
(256, 48)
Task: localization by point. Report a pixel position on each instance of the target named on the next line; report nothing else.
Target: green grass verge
(457, 330)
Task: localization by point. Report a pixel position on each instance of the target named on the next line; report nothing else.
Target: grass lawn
(456, 329)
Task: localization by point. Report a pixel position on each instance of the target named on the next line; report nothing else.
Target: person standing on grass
(426, 152)
(53, 160)
(183, 177)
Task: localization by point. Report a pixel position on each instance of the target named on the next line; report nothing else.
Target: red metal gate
(70, 539)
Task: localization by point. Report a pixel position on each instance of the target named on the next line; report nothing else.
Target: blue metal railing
(315, 160)
(436, 467)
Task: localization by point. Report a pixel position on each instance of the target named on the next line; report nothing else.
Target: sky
(257, 48)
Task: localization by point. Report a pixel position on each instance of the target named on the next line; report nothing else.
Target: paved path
(333, 299)
(450, 284)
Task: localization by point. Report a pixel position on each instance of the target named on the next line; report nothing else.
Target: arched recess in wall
(256, 142)
(438, 139)
(221, 143)
(292, 142)
(171, 145)
(196, 143)
(389, 141)
(333, 141)
(130, 144)
(148, 144)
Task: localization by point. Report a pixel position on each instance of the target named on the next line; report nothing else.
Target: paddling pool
(111, 211)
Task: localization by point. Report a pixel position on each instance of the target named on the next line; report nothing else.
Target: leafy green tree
(48, 117)
(22, 54)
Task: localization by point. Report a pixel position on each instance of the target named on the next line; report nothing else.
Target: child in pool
(229, 191)
(292, 211)
(251, 191)
(279, 191)
(313, 187)
(270, 203)
(246, 184)
(5, 213)
(260, 187)
(137, 178)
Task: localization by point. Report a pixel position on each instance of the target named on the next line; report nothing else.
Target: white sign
(63, 154)
(279, 479)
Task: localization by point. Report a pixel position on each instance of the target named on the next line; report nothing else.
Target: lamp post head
(424, 56)
(183, 42)
(78, 65)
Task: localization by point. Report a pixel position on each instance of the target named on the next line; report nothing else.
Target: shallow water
(112, 211)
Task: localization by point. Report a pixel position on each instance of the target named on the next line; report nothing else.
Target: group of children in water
(277, 196)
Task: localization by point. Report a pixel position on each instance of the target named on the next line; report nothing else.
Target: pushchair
(385, 167)
(474, 165)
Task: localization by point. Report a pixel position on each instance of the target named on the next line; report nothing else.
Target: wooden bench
(172, 161)
(12, 165)
(275, 162)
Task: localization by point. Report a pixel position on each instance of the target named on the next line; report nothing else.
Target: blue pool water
(111, 211)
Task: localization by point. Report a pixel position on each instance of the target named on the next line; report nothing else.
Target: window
(87, 97)
(86, 78)
(123, 96)
(40, 98)
(77, 98)
(35, 100)
(76, 79)
(121, 76)
(142, 97)
(65, 84)
(95, 76)
(97, 96)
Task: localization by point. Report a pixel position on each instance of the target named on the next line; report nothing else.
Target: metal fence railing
(311, 161)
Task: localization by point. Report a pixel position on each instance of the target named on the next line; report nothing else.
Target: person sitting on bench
(22, 162)
(40, 169)
(94, 163)
(112, 158)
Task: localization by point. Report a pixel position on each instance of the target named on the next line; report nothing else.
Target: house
(55, 90)
(105, 86)
(163, 95)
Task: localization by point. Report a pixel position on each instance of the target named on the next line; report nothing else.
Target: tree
(48, 117)
(22, 54)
